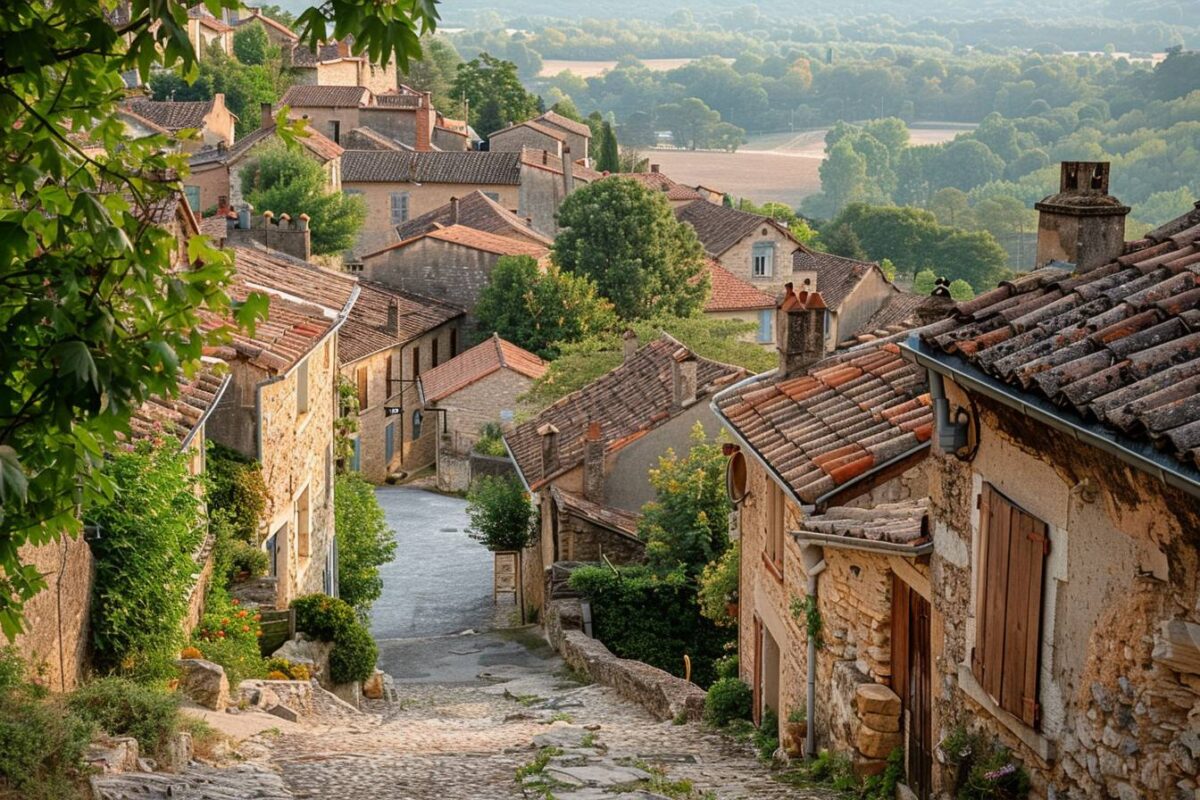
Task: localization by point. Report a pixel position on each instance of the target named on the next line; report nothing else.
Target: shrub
(766, 738)
(143, 557)
(727, 699)
(42, 744)
(719, 586)
(501, 514)
(236, 487)
(365, 542)
(289, 671)
(228, 635)
(354, 655)
(490, 442)
(726, 666)
(323, 617)
(652, 618)
(190, 652)
(246, 559)
(121, 707)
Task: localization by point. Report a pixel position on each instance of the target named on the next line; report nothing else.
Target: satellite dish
(736, 478)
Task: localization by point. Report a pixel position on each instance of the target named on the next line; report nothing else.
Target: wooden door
(912, 672)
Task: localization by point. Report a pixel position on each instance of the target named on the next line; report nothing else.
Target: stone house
(752, 247)
(333, 64)
(55, 639)
(578, 136)
(278, 33)
(398, 185)
(330, 110)
(734, 299)
(677, 194)
(474, 210)
(216, 173)
(403, 116)
(586, 458)
(205, 30)
(389, 340)
(531, 134)
(211, 118)
(280, 409)
(451, 264)
(481, 385)
(829, 482)
(1065, 502)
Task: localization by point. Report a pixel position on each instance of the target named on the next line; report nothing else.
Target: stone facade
(445, 271)
(1118, 718)
(55, 641)
(379, 229)
(738, 259)
(492, 398)
(519, 136)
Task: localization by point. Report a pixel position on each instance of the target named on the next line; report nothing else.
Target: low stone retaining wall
(659, 692)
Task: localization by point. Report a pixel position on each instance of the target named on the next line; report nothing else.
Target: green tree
(952, 208)
(245, 86)
(689, 120)
(98, 316)
(843, 177)
(841, 240)
(252, 47)
(610, 157)
(965, 164)
(365, 542)
(687, 524)
(960, 290)
(924, 282)
(434, 72)
(285, 180)
(541, 310)
(625, 238)
(487, 78)
(501, 514)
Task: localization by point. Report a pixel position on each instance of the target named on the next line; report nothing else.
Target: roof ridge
(500, 349)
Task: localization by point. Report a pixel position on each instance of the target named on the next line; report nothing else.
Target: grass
(561, 716)
(526, 700)
(532, 777)
(588, 740)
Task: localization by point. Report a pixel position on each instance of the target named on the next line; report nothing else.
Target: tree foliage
(365, 542)
(491, 82)
(283, 179)
(252, 47)
(435, 72)
(541, 310)
(245, 86)
(501, 514)
(610, 158)
(625, 238)
(96, 314)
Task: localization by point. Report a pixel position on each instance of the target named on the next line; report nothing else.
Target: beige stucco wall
(213, 181)
(378, 231)
(320, 119)
(1123, 559)
(513, 139)
(441, 270)
(55, 642)
(483, 401)
(218, 126)
(737, 259)
(337, 73)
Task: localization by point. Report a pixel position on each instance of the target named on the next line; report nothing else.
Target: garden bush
(42, 743)
(719, 586)
(236, 487)
(145, 569)
(984, 768)
(501, 514)
(228, 635)
(331, 619)
(289, 671)
(652, 618)
(766, 738)
(365, 542)
(121, 707)
(727, 699)
(354, 655)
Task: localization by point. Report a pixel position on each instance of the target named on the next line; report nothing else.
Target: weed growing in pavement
(561, 716)
(680, 719)
(526, 700)
(574, 676)
(532, 776)
(588, 740)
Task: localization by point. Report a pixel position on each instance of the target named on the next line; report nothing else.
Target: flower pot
(731, 610)
(794, 734)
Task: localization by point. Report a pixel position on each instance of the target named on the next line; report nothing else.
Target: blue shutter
(356, 459)
(764, 326)
(193, 197)
(389, 442)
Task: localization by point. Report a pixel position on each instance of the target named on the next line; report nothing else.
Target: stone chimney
(393, 316)
(629, 343)
(266, 119)
(593, 464)
(568, 172)
(294, 240)
(549, 435)
(453, 210)
(683, 379)
(801, 331)
(1083, 224)
(654, 168)
(424, 123)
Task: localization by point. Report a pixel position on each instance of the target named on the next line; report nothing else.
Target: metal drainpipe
(814, 565)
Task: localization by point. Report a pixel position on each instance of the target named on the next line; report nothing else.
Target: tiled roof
(364, 138)
(480, 361)
(306, 96)
(319, 145)
(546, 130)
(902, 523)
(900, 312)
(366, 328)
(847, 416)
(615, 519)
(137, 119)
(256, 14)
(731, 293)
(719, 227)
(180, 415)
(469, 167)
(1118, 345)
(559, 121)
(305, 302)
(629, 401)
(403, 100)
(659, 182)
(173, 115)
(205, 18)
(548, 161)
(475, 210)
(836, 276)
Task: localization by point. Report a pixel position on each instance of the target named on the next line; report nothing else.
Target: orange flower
(258, 633)
(225, 621)
(245, 629)
(236, 602)
(242, 613)
(258, 617)
(221, 634)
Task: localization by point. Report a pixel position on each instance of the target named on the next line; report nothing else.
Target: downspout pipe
(814, 565)
(952, 436)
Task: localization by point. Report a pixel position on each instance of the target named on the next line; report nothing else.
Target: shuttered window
(399, 207)
(362, 389)
(776, 504)
(1008, 618)
(387, 389)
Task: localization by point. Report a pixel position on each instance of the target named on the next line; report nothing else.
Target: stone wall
(580, 539)
(395, 123)
(737, 259)
(321, 119)
(659, 692)
(491, 466)
(55, 641)
(514, 139)
(441, 270)
(486, 400)
(453, 470)
(1119, 717)
(378, 231)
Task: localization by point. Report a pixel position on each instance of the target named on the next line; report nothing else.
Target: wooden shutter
(1009, 615)
(362, 388)
(900, 613)
(387, 387)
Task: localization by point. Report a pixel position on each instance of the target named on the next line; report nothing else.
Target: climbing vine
(806, 608)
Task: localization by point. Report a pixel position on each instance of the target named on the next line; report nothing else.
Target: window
(1008, 618)
(363, 380)
(453, 342)
(416, 361)
(399, 207)
(764, 326)
(417, 419)
(356, 456)
(762, 260)
(328, 475)
(776, 504)
(389, 443)
(193, 197)
(435, 351)
(302, 387)
(352, 192)
(335, 130)
(303, 525)
(493, 196)
(387, 389)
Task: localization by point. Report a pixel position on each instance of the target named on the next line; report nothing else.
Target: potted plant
(731, 605)
(796, 731)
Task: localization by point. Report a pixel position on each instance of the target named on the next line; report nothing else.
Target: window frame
(765, 251)
(766, 328)
(399, 211)
(302, 388)
(776, 528)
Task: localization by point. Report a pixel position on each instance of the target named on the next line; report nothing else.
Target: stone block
(313, 654)
(372, 687)
(348, 692)
(112, 756)
(884, 723)
(877, 744)
(283, 712)
(204, 683)
(875, 698)
(179, 752)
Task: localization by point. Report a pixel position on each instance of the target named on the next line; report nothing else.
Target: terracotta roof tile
(731, 293)
(615, 519)
(179, 416)
(468, 167)
(659, 182)
(365, 331)
(903, 523)
(319, 145)
(476, 240)
(847, 416)
(719, 227)
(480, 361)
(475, 210)
(627, 401)
(309, 96)
(546, 130)
(172, 115)
(256, 14)
(1118, 345)
(559, 121)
